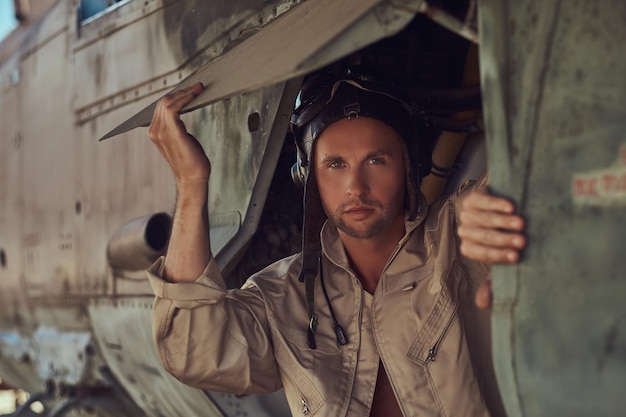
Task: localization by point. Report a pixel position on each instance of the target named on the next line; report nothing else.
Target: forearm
(189, 249)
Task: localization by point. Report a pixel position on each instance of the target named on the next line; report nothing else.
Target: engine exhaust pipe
(136, 245)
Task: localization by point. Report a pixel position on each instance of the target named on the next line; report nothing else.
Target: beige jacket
(421, 323)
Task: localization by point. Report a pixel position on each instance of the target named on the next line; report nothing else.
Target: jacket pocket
(307, 399)
(428, 341)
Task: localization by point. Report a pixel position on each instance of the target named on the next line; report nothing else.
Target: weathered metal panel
(15, 368)
(43, 30)
(309, 36)
(555, 99)
(48, 232)
(118, 182)
(176, 37)
(11, 199)
(109, 39)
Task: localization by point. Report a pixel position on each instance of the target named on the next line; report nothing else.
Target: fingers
(491, 236)
(489, 229)
(176, 101)
(488, 254)
(484, 295)
(181, 150)
(483, 201)
(166, 119)
(492, 219)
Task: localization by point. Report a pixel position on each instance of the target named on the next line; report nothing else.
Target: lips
(359, 212)
(359, 208)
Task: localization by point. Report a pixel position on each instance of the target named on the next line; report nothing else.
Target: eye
(336, 164)
(376, 161)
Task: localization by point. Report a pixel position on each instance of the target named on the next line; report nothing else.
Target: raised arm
(490, 232)
(189, 248)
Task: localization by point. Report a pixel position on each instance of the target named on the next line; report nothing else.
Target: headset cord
(342, 339)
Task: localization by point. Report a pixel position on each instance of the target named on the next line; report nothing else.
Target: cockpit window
(8, 22)
(91, 8)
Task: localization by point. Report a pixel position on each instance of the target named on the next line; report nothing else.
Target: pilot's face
(360, 173)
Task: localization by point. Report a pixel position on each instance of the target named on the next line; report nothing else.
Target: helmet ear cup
(299, 172)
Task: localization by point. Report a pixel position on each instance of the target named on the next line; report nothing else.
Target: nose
(357, 184)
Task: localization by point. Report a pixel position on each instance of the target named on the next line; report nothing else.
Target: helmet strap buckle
(351, 111)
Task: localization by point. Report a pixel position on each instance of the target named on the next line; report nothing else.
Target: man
(384, 323)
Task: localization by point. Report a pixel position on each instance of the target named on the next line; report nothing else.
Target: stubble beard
(372, 229)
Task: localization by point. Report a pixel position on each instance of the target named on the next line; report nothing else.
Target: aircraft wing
(309, 36)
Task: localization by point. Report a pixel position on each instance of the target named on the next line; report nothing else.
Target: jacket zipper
(305, 407)
(432, 352)
(393, 387)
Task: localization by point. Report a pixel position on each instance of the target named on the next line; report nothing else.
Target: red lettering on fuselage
(585, 187)
(603, 186)
(614, 182)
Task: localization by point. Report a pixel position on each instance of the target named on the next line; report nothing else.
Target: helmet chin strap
(314, 217)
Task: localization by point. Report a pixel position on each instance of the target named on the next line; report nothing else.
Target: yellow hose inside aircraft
(449, 144)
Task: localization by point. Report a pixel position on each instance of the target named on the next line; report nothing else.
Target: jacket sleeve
(212, 338)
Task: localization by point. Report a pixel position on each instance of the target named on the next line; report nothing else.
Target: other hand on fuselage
(490, 232)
